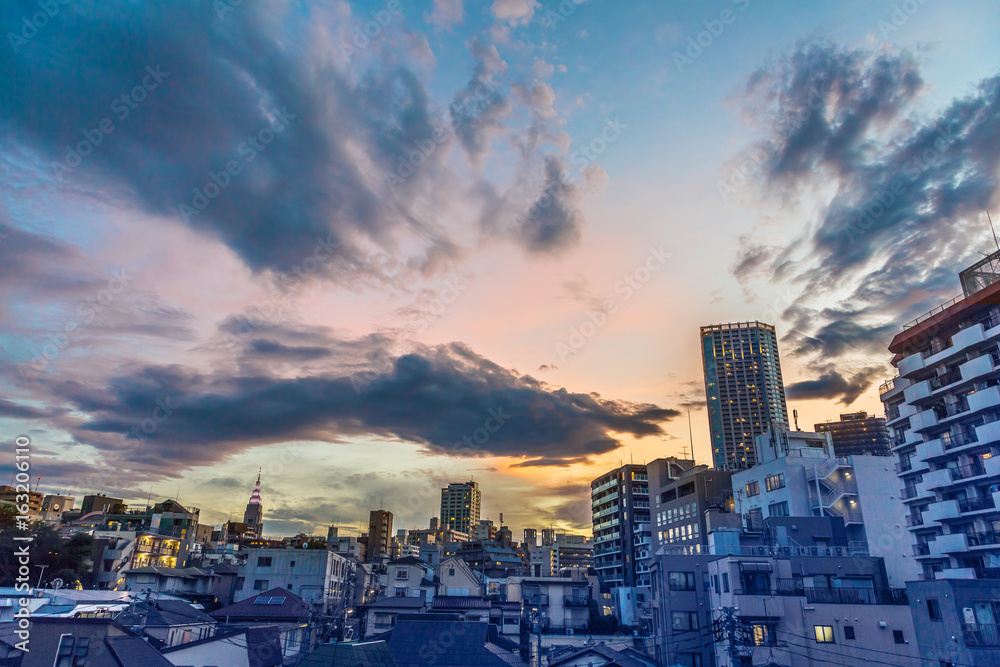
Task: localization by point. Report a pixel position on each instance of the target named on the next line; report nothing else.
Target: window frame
(824, 634)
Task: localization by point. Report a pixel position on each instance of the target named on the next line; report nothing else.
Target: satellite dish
(57, 583)
(305, 545)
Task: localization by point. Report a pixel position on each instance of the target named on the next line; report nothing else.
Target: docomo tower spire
(254, 515)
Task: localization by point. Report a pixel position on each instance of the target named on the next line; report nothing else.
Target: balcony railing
(966, 436)
(921, 549)
(537, 599)
(892, 413)
(966, 471)
(939, 381)
(908, 493)
(976, 504)
(933, 312)
(904, 465)
(983, 539)
(887, 386)
(982, 634)
(914, 520)
(575, 601)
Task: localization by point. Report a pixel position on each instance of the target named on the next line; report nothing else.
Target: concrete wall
(885, 517)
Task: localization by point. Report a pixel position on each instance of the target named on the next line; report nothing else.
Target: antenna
(992, 229)
(795, 413)
(690, 434)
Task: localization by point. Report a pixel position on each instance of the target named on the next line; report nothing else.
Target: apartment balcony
(607, 564)
(935, 479)
(916, 392)
(960, 342)
(966, 472)
(576, 601)
(939, 382)
(890, 389)
(923, 420)
(605, 499)
(988, 539)
(976, 368)
(536, 600)
(992, 466)
(981, 634)
(914, 521)
(965, 436)
(947, 544)
(977, 504)
(910, 364)
(921, 550)
(605, 512)
(984, 399)
(941, 511)
(989, 432)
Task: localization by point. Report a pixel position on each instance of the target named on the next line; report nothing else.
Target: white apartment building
(798, 475)
(318, 576)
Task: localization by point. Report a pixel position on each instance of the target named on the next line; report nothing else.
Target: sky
(371, 248)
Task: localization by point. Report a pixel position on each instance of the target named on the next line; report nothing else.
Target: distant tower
(743, 387)
(460, 505)
(254, 515)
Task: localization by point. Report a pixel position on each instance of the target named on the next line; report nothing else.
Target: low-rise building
(553, 604)
(319, 576)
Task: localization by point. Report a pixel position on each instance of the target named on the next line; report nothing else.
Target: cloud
(446, 14)
(447, 400)
(834, 385)
(478, 111)
(903, 194)
(11, 410)
(514, 12)
(555, 221)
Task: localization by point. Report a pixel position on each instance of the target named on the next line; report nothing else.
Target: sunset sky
(333, 240)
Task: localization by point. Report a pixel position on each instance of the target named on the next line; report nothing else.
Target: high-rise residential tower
(857, 433)
(253, 517)
(743, 388)
(943, 413)
(460, 505)
(379, 533)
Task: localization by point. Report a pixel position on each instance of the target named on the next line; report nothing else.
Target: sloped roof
(351, 654)
(179, 572)
(459, 602)
(408, 603)
(292, 608)
(162, 613)
(613, 658)
(413, 639)
(409, 560)
(132, 651)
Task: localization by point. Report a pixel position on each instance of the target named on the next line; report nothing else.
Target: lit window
(824, 633)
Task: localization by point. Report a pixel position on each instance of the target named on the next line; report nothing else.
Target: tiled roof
(134, 652)
(163, 613)
(292, 608)
(459, 602)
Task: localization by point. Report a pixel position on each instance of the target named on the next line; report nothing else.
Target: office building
(680, 493)
(943, 412)
(743, 388)
(379, 534)
(858, 433)
(460, 506)
(530, 538)
(798, 475)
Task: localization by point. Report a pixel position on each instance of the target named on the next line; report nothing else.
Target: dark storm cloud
(905, 215)
(16, 411)
(834, 385)
(207, 88)
(433, 397)
(270, 348)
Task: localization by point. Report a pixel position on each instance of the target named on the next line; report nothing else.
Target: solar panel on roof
(269, 600)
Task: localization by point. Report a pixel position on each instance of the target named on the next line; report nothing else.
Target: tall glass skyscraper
(743, 388)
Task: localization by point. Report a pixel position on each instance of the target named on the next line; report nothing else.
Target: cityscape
(514, 333)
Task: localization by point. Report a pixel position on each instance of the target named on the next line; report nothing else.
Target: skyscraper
(253, 517)
(743, 388)
(460, 505)
(379, 533)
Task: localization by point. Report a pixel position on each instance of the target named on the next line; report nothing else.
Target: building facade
(460, 506)
(743, 388)
(943, 412)
(379, 533)
(622, 536)
(681, 493)
(858, 433)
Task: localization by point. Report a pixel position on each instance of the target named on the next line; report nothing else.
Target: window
(763, 634)
(715, 583)
(725, 582)
(753, 488)
(72, 651)
(897, 636)
(824, 633)
(689, 660)
(756, 583)
(774, 482)
(848, 632)
(260, 584)
(451, 572)
(778, 509)
(401, 591)
(263, 561)
(239, 583)
(683, 620)
(934, 609)
(681, 581)
(403, 573)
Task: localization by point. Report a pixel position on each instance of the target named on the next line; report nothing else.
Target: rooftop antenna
(37, 482)
(988, 217)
